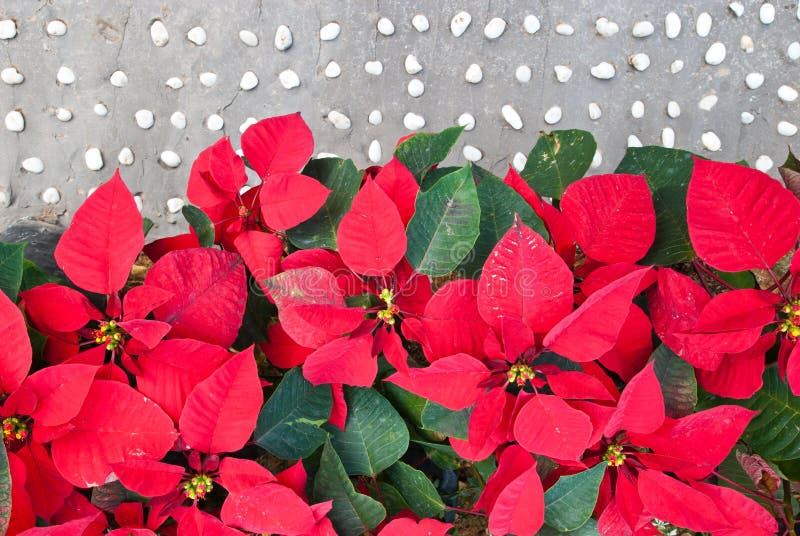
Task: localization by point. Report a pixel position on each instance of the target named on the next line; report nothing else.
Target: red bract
(15, 359)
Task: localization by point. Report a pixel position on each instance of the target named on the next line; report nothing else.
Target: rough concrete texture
(103, 36)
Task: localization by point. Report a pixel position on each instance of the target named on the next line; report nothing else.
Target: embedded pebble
(746, 44)
(640, 61)
(339, 120)
(672, 25)
(385, 26)
(467, 121)
(374, 151)
(249, 81)
(138, 200)
(511, 116)
(766, 13)
(178, 120)
(711, 141)
(703, 24)
(15, 121)
(125, 156)
(51, 196)
(374, 67)
(323, 154)
(197, 35)
(676, 66)
(603, 71)
(170, 159)
(332, 70)
(330, 31)
(283, 38)
(65, 76)
(668, 138)
(643, 28)
(495, 28)
(63, 114)
(605, 27)
(11, 76)
(637, 109)
(552, 115)
(787, 93)
(412, 64)
(673, 109)
(249, 122)
(33, 165)
(597, 159)
(5, 197)
(174, 205)
(118, 79)
(595, 112)
(413, 121)
(8, 29)
(375, 117)
(746, 118)
(754, 80)
(474, 74)
(763, 163)
(793, 50)
(250, 39)
(56, 28)
(531, 24)
(471, 153)
(707, 102)
(785, 128)
(215, 122)
(563, 73)
(519, 161)
(715, 54)
(523, 74)
(416, 88)
(420, 23)
(460, 23)
(634, 141)
(144, 118)
(563, 28)
(159, 33)
(208, 79)
(93, 159)
(737, 8)
(100, 109)
(175, 82)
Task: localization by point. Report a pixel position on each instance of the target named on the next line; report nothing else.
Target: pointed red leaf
(221, 411)
(514, 461)
(738, 375)
(194, 521)
(45, 485)
(15, 359)
(268, 508)
(546, 425)
(295, 478)
(57, 393)
(408, 527)
(261, 253)
(101, 244)
(345, 360)
(278, 144)
(634, 345)
(226, 167)
(577, 386)
(56, 308)
(739, 218)
(149, 478)
(746, 516)
(140, 301)
(158, 248)
(670, 500)
(304, 285)
(349, 283)
(129, 531)
(737, 310)
(315, 324)
(641, 407)
(237, 475)
(401, 187)
(519, 508)
(290, 198)
(281, 350)
(147, 332)
(70, 528)
(793, 370)
(487, 424)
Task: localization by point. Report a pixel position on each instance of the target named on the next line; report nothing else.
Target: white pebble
(175, 82)
(531, 24)
(637, 109)
(373, 67)
(412, 64)
(597, 159)
(673, 109)
(118, 79)
(474, 74)
(208, 79)
(703, 24)
(197, 35)
(467, 121)
(215, 122)
(413, 121)
(339, 120)
(737, 8)
(374, 151)
(249, 122)
(707, 102)
(125, 156)
(603, 71)
(138, 200)
(797, 13)
(511, 116)
(766, 13)
(8, 29)
(786, 128)
(323, 154)
(248, 38)
(15, 121)
(563, 73)
(764, 163)
(460, 23)
(159, 33)
(330, 31)
(170, 159)
(178, 120)
(249, 81)
(562, 28)
(63, 114)
(65, 76)
(754, 80)
(711, 141)
(375, 117)
(473, 154)
(332, 70)
(144, 118)
(746, 44)
(495, 28)
(51, 196)
(793, 50)
(100, 109)
(715, 53)
(174, 205)
(595, 112)
(93, 158)
(416, 88)
(385, 26)
(552, 115)
(605, 27)
(56, 28)
(283, 38)
(668, 138)
(519, 161)
(747, 118)
(640, 61)
(5, 198)
(420, 23)
(672, 25)
(643, 28)
(523, 74)
(634, 141)
(11, 76)
(787, 93)
(33, 165)
(676, 66)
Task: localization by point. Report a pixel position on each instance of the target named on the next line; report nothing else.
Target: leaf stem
(697, 271)
(463, 511)
(787, 507)
(710, 273)
(745, 489)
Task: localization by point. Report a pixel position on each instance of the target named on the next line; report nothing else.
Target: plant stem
(710, 273)
(778, 283)
(695, 265)
(787, 507)
(748, 490)
(463, 511)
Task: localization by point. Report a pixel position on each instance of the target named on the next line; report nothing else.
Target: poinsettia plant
(412, 349)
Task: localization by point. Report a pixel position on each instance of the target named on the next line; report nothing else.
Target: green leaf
(678, 382)
(423, 150)
(441, 454)
(289, 423)
(352, 513)
(202, 225)
(417, 490)
(445, 225)
(557, 160)
(435, 174)
(11, 263)
(668, 172)
(33, 276)
(407, 403)
(375, 435)
(147, 225)
(438, 418)
(5, 490)
(588, 529)
(571, 500)
(340, 176)
(389, 496)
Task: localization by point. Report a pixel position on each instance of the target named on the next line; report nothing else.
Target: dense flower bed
(335, 351)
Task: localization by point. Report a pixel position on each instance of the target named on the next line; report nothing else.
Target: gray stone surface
(104, 36)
